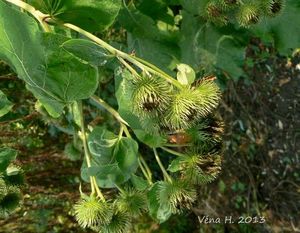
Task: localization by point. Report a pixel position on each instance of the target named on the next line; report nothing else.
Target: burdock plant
(120, 222)
(176, 195)
(150, 94)
(90, 211)
(249, 13)
(131, 201)
(273, 7)
(197, 168)
(245, 13)
(191, 103)
(54, 51)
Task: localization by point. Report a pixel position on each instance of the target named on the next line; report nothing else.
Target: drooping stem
(93, 182)
(172, 151)
(146, 167)
(161, 166)
(133, 71)
(177, 145)
(126, 131)
(142, 163)
(119, 188)
(144, 172)
(98, 191)
(112, 111)
(125, 56)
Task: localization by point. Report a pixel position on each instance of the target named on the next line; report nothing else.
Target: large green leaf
(87, 51)
(114, 159)
(159, 212)
(126, 154)
(101, 144)
(54, 76)
(5, 104)
(124, 90)
(107, 175)
(92, 15)
(7, 155)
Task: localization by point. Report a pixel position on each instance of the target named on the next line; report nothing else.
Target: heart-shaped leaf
(101, 144)
(159, 212)
(126, 154)
(53, 75)
(92, 15)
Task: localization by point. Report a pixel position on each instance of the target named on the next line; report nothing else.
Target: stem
(83, 136)
(133, 71)
(120, 189)
(153, 69)
(112, 111)
(144, 65)
(144, 172)
(147, 173)
(172, 151)
(121, 132)
(165, 173)
(126, 131)
(157, 70)
(146, 167)
(178, 145)
(99, 193)
(37, 14)
(94, 185)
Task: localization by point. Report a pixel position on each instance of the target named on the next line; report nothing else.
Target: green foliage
(88, 51)
(54, 85)
(91, 212)
(101, 143)
(91, 15)
(119, 223)
(176, 195)
(277, 32)
(113, 159)
(126, 152)
(196, 168)
(139, 183)
(185, 75)
(159, 212)
(132, 202)
(71, 152)
(5, 104)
